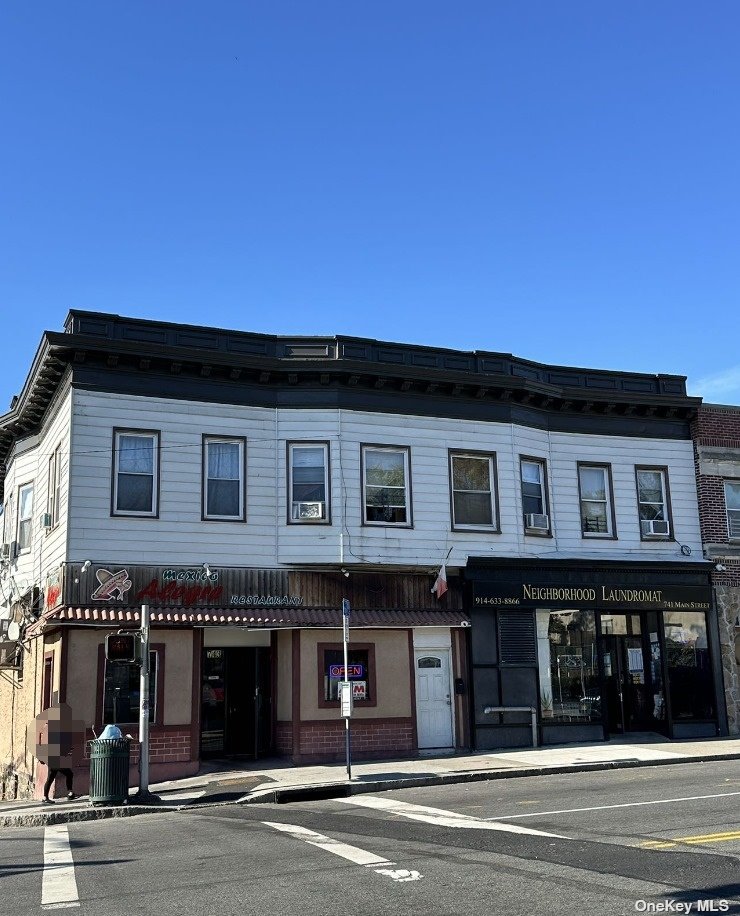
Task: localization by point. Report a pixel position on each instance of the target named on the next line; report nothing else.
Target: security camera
(464, 623)
(719, 567)
(345, 573)
(206, 569)
(86, 565)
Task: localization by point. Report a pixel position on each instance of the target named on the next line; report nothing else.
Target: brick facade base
(372, 739)
(170, 757)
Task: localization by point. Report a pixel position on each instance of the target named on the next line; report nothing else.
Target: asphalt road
(615, 842)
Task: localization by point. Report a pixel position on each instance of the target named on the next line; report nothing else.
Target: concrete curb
(48, 818)
(320, 791)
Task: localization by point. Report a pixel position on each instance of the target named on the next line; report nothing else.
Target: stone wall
(727, 599)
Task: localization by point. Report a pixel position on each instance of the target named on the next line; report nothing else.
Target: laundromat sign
(604, 597)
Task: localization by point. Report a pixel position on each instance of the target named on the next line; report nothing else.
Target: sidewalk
(275, 781)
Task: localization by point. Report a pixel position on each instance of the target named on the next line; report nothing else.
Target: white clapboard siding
(28, 462)
(180, 536)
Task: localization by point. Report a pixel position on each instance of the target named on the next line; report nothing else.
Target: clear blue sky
(560, 180)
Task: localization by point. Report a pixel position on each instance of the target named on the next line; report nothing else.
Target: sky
(558, 180)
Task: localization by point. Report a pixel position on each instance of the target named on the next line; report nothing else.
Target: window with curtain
(223, 488)
(596, 500)
(308, 482)
(136, 461)
(473, 490)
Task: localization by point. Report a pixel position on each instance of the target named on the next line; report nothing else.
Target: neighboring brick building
(716, 435)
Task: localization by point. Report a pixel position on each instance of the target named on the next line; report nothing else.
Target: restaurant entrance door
(236, 702)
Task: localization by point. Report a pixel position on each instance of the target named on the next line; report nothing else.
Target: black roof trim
(140, 356)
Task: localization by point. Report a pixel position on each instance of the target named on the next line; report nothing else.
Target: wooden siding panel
(266, 539)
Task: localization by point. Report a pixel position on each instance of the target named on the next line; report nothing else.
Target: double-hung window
(732, 504)
(534, 496)
(597, 510)
(308, 482)
(652, 502)
(223, 478)
(473, 486)
(54, 487)
(135, 472)
(386, 485)
(25, 516)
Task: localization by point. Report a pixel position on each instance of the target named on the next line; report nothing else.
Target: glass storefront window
(689, 669)
(569, 687)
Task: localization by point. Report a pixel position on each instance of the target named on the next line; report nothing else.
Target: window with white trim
(652, 503)
(732, 505)
(223, 478)
(595, 491)
(534, 496)
(135, 472)
(386, 485)
(473, 484)
(25, 517)
(308, 482)
(54, 486)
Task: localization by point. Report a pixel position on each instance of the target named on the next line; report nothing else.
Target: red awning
(260, 618)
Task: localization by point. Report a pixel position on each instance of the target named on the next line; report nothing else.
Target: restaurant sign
(507, 595)
(198, 586)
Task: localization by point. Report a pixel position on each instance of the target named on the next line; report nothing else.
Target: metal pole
(144, 703)
(347, 736)
(144, 796)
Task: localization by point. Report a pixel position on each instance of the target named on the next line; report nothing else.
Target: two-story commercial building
(716, 432)
(242, 485)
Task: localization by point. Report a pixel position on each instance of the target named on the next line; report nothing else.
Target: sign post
(345, 688)
(144, 796)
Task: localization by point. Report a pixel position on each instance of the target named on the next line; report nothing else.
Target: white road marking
(658, 801)
(351, 853)
(438, 817)
(598, 754)
(59, 886)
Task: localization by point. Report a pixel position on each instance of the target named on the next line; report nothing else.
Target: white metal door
(433, 698)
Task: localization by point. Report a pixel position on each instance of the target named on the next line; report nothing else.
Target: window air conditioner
(46, 520)
(655, 527)
(537, 521)
(308, 510)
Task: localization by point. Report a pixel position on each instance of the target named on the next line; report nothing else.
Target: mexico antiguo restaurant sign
(604, 596)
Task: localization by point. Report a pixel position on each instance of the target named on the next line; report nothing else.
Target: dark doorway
(236, 711)
(633, 679)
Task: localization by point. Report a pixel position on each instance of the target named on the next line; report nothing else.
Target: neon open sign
(337, 671)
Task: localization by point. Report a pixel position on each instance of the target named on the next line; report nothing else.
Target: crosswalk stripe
(439, 817)
(380, 864)
(58, 885)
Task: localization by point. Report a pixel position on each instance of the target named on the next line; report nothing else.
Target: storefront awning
(259, 618)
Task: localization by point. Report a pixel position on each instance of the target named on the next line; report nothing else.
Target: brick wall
(715, 427)
(322, 741)
(167, 744)
(284, 738)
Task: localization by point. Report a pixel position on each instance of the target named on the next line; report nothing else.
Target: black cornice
(136, 356)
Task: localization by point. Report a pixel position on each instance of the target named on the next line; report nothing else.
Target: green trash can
(109, 762)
